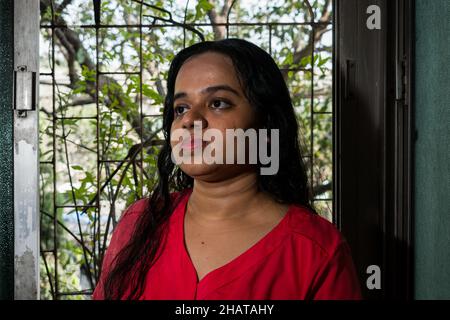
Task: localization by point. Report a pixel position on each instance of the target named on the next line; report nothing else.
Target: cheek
(172, 129)
(247, 116)
(241, 118)
(245, 119)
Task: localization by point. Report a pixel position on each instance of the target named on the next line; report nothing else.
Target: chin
(201, 171)
(214, 172)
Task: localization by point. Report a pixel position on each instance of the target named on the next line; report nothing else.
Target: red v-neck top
(303, 257)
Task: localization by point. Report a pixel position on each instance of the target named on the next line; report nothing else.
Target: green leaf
(69, 122)
(79, 89)
(202, 7)
(149, 92)
(77, 167)
(89, 178)
(323, 61)
(305, 61)
(316, 57)
(205, 5)
(289, 59)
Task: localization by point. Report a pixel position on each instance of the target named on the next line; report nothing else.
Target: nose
(194, 118)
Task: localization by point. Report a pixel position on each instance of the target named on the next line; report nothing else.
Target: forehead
(206, 69)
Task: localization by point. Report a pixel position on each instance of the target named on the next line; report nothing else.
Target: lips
(192, 144)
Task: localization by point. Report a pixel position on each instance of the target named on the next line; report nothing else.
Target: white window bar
(26, 150)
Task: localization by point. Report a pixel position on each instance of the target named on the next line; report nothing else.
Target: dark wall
(432, 150)
(6, 152)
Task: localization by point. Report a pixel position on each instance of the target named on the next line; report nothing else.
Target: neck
(230, 199)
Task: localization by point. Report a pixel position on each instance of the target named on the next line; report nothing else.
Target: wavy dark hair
(266, 90)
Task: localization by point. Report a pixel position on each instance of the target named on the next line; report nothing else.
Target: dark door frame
(6, 151)
(373, 77)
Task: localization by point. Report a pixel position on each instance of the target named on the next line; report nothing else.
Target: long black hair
(266, 90)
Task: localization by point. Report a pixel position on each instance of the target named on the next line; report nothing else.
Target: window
(102, 71)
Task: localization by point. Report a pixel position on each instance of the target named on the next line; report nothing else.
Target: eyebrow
(211, 89)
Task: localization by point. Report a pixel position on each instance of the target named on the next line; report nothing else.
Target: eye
(220, 104)
(179, 110)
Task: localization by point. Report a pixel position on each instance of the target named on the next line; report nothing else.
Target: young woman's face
(208, 91)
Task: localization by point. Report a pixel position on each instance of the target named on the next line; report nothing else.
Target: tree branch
(218, 18)
(219, 30)
(314, 37)
(75, 52)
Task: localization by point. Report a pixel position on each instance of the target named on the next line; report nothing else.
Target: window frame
(373, 81)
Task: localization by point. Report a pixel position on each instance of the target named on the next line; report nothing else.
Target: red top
(303, 257)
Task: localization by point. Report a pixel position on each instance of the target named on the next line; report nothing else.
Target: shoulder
(130, 215)
(310, 229)
(128, 221)
(137, 208)
(325, 255)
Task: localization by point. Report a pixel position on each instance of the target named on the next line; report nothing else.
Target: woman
(228, 232)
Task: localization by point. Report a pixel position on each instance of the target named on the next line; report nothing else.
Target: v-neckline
(235, 267)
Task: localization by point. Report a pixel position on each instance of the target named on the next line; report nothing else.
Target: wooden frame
(373, 141)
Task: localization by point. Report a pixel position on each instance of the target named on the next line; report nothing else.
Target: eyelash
(177, 108)
(229, 104)
(221, 100)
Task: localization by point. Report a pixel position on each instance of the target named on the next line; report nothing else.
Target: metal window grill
(103, 65)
